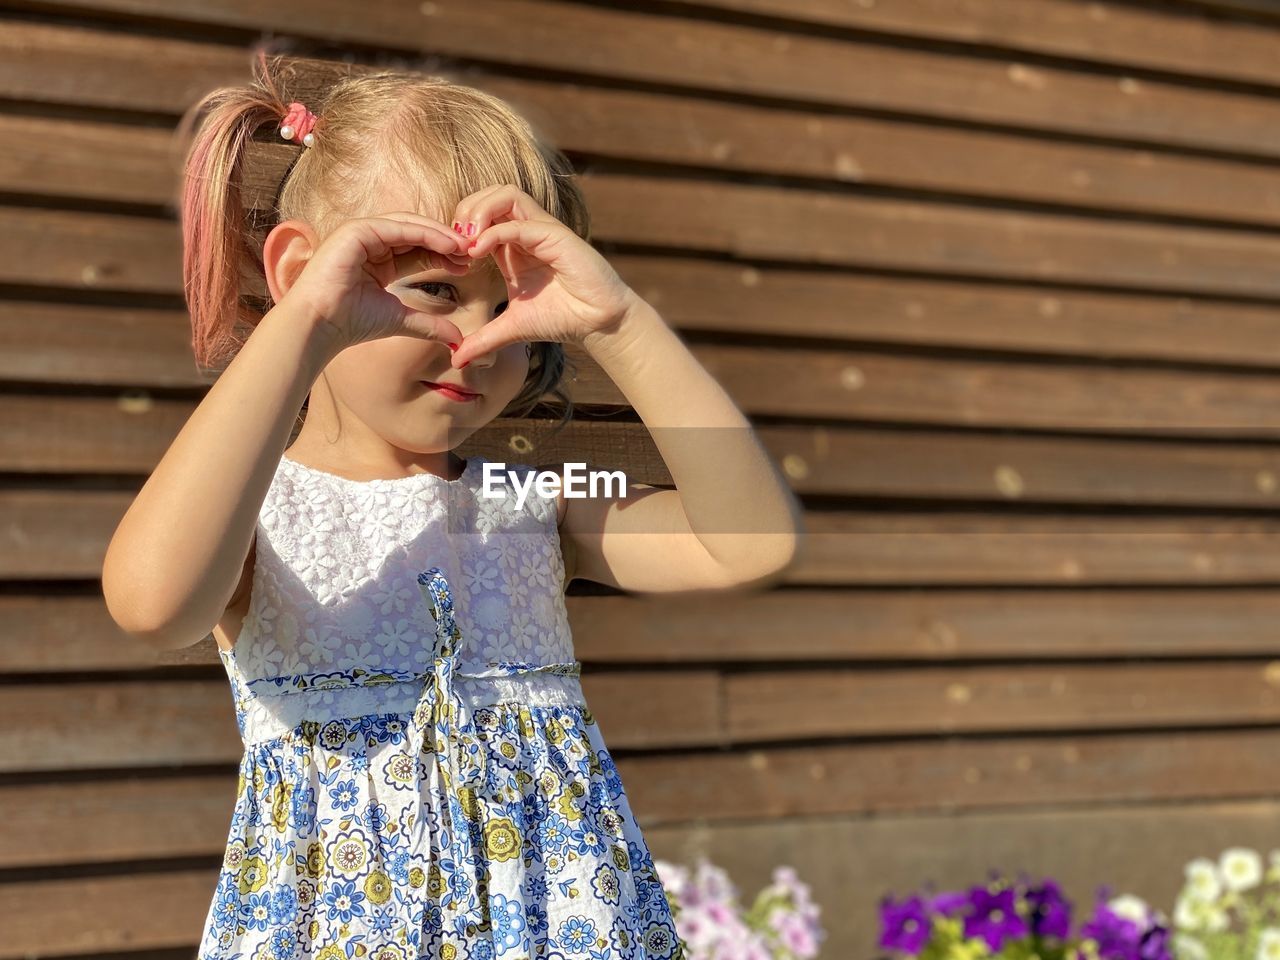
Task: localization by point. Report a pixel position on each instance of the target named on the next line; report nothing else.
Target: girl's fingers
(408, 216)
(529, 235)
(492, 336)
(391, 233)
(453, 266)
(389, 238)
(501, 202)
(453, 262)
(412, 231)
(431, 327)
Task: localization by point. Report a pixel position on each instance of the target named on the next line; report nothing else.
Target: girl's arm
(178, 553)
(732, 519)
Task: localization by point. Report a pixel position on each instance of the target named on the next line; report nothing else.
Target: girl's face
(371, 394)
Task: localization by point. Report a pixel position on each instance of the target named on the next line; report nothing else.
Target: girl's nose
(482, 361)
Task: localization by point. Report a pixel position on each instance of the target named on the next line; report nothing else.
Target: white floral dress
(422, 776)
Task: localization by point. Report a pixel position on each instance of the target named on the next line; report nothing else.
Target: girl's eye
(430, 283)
(437, 283)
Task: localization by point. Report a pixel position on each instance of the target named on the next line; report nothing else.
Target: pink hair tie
(298, 123)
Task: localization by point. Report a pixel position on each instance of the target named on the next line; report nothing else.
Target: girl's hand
(560, 288)
(343, 284)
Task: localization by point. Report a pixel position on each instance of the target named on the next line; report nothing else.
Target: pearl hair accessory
(298, 123)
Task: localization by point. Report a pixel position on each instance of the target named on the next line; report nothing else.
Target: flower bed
(782, 922)
(1227, 910)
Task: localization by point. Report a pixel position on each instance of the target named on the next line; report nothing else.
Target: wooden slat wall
(1019, 260)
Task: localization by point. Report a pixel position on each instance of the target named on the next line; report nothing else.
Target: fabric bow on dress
(457, 744)
(460, 752)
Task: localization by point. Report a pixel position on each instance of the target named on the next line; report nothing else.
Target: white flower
(397, 638)
(481, 575)
(544, 610)
(394, 596)
(1216, 919)
(1241, 868)
(287, 630)
(1202, 879)
(317, 647)
(1193, 913)
(1131, 908)
(504, 552)
(535, 566)
(491, 614)
(516, 591)
(1188, 948)
(356, 653)
(494, 648)
(1269, 944)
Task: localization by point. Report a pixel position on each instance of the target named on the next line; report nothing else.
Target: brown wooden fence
(1019, 259)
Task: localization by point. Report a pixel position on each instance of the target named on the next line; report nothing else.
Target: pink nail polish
(463, 364)
(471, 228)
(452, 346)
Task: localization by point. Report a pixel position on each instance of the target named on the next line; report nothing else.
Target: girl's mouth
(452, 391)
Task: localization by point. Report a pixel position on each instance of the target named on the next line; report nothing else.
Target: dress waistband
(443, 697)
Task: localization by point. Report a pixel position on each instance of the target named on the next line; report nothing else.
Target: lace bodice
(336, 562)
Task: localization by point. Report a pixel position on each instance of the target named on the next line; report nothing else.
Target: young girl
(421, 776)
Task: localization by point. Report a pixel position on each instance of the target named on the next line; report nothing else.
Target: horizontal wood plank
(150, 723)
(55, 535)
(187, 815)
(1115, 34)
(117, 820)
(83, 159)
(122, 914)
(104, 724)
(737, 58)
(813, 226)
(97, 345)
(114, 69)
(137, 346)
(802, 703)
(71, 435)
(85, 251)
(986, 548)
(56, 634)
(961, 392)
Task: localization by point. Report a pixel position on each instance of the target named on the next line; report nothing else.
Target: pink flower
(795, 933)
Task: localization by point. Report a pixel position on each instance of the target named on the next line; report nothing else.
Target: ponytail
(215, 254)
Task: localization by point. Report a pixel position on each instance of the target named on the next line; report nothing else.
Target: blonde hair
(450, 138)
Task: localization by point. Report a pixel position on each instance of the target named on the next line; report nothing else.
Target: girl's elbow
(133, 609)
(768, 561)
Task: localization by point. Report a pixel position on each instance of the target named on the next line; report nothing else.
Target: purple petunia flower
(994, 916)
(905, 926)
